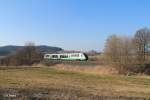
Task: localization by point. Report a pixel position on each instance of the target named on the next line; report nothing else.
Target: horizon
(82, 25)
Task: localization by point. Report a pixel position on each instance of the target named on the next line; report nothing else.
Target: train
(67, 56)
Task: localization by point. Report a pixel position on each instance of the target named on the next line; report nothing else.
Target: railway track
(78, 63)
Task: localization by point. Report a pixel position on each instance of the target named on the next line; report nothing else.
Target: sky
(71, 24)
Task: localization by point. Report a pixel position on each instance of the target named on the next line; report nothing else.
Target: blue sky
(70, 24)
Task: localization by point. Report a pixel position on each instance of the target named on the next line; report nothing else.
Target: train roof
(69, 51)
(66, 53)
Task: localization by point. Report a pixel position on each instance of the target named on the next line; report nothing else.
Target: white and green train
(66, 56)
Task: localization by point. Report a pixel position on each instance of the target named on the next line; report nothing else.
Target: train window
(75, 55)
(54, 56)
(63, 56)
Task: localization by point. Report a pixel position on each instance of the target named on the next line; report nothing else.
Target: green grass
(93, 84)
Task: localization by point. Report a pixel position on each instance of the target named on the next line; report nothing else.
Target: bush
(25, 56)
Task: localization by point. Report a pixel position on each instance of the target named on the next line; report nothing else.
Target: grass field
(109, 85)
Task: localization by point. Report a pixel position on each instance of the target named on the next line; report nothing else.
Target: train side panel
(66, 56)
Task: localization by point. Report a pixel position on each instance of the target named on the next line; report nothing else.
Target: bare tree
(118, 51)
(129, 54)
(111, 48)
(27, 55)
(141, 41)
(29, 44)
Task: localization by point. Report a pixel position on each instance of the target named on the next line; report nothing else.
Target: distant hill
(5, 50)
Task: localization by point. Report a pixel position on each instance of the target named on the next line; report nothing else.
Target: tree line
(129, 54)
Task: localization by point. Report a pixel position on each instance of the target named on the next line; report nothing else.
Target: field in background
(86, 84)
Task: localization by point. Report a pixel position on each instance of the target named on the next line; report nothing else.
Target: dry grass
(110, 85)
(98, 70)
